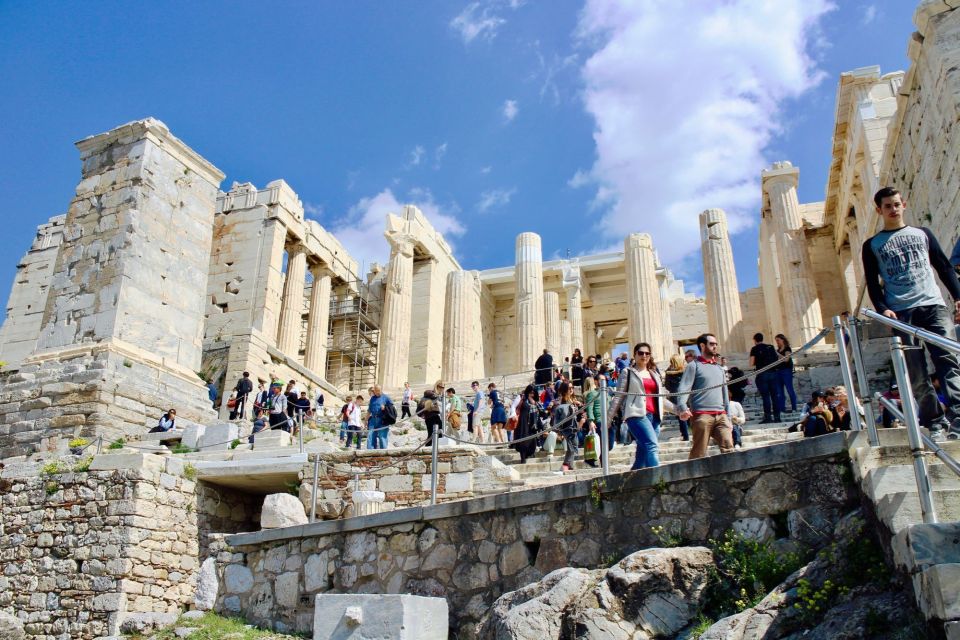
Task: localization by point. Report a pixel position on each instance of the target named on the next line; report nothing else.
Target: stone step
(900, 510)
(919, 546)
(900, 478)
(865, 459)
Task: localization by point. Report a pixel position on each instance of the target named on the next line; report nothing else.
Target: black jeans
(768, 384)
(405, 410)
(936, 319)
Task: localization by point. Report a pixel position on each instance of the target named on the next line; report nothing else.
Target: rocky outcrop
(654, 593)
(282, 510)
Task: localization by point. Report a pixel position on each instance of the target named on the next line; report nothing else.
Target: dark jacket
(544, 367)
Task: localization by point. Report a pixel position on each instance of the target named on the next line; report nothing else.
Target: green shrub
(119, 443)
(235, 443)
(53, 467)
(181, 448)
(77, 443)
(83, 464)
(189, 471)
(52, 487)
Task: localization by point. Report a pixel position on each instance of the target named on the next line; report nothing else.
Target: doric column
(769, 278)
(315, 356)
(291, 313)
(856, 248)
(531, 338)
(572, 284)
(799, 291)
(724, 316)
(666, 311)
(463, 342)
(565, 348)
(845, 257)
(551, 319)
(643, 292)
(394, 357)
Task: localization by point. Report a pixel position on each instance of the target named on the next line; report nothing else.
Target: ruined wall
(472, 552)
(689, 319)
(922, 154)
(754, 312)
(80, 552)
(28, 296)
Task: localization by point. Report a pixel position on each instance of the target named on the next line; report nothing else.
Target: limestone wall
(689, 319)
(28, 296)
(80, 552)
(754, 312)
(921, 158)
(472, 552)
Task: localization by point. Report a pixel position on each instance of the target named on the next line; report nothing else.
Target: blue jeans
(646, 431)
(771, 393)
(377, 436)
(936, 319)
(343, 430)
(785, 376)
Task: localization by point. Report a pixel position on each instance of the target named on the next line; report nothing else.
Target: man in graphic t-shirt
(898, 264)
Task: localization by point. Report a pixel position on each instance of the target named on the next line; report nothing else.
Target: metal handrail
(921, 334)
(931, 444)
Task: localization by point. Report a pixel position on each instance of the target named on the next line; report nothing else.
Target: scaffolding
(353, 336)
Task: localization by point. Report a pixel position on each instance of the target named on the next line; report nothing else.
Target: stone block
(207, 585)
(282, 510)
(459, 482)
(374, 616)
(920, 546)
(192, 435)
(111, 461)
(237, 578)
(218, 436)
(398, 483)
(936, 589)
(272, 439)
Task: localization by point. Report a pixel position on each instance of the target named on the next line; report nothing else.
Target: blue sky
(580, 120)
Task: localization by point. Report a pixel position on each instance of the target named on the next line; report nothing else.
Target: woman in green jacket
(593, 402)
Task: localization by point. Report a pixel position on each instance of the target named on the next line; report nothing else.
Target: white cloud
(510, 110)
(416, 156)
(312, 210)
(438, 155)
(550, 71)
(494, 198)
(681, 123)
(361, 230)
(477, 21)
(870, 13)
(487, 169)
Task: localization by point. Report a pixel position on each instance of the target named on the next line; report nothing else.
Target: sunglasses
(643, 353)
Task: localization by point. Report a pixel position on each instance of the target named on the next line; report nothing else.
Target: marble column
(572, 284)
(291, 313)
(531, 338)
(565, 348)
(769, 279)
(724, 316)
(643, 293)
(856, 249)
(845, 258)
(666, 311)
(315, 356)
(394, 355)
(801, 306)
(551, 319)
(463, 341)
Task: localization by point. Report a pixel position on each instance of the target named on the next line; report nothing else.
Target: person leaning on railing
(899, 264)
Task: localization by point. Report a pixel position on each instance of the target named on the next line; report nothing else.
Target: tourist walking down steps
(702, 399)
(637, 402)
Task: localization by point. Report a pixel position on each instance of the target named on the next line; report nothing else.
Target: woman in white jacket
(641, 409)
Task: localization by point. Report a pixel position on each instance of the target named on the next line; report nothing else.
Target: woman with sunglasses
(641, 408)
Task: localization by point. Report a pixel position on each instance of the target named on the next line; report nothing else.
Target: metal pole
(604, 428)
(924, 489)
(922, 334)
(300, 429)
(99, 445)
(433, 467)
(316, 477)
(865, 397)
(855, 423)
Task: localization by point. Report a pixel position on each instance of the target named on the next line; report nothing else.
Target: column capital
(296, 248)
(572, 278)
(639, 241)
(781, 172)
(401, 243)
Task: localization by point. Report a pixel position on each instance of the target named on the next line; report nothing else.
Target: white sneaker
(938, 435)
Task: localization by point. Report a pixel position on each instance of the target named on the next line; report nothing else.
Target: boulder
(282, 510)
(207, 585)
(11, 628)
(144, 622)
(651, 593)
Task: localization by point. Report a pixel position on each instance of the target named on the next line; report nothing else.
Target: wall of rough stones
(924, 145)
(80, 552)
(472, 552)
(462, 472)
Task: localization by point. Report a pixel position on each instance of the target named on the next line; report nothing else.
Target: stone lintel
(157, 132)
(781, 172)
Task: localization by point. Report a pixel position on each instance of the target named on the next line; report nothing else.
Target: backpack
(766, 355)
(388, 415)
(344, 415)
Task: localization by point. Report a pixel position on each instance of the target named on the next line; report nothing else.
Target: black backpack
(388, 415)
(766, 355)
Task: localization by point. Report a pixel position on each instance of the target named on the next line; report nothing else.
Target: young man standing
(703, 384)
(768, 383)
(898, 264)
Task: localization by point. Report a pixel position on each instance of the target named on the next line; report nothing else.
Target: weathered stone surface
(207, 585)
(237, 579)
(654, 592)
(282, 510)
(11, 627)
(144, 622)
(375, 617)
(773, 492)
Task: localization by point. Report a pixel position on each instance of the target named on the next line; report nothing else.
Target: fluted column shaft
(565, 348)
(397, 306)
(551, 319)
(845, 257)
(575, 316)
(531, 336)
(769, 271)
(643, 293)
(666, 312)
(724, 316)
(315, 356)
(856, 247)
(463, 342)
(799, 292)
(291, 313)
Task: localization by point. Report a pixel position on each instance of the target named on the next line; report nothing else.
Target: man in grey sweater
(707, 409)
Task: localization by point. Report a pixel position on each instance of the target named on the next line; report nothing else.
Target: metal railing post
(855, 423)
(433, 467)
(909, 404)
(99, 445)
(316, 478)
(604, 428)
(866, 400)
(300, 429)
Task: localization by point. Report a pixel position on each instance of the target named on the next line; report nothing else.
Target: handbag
(590, 446)
(511, 423)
